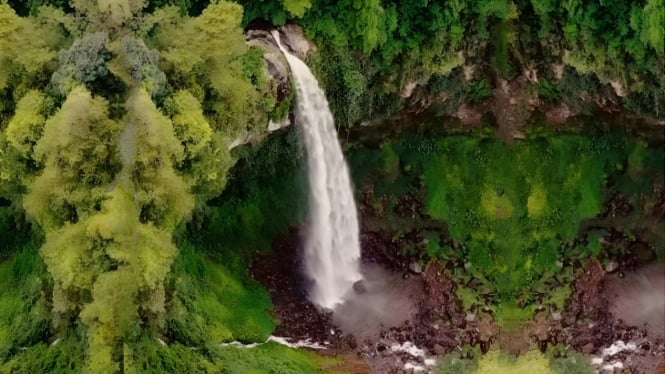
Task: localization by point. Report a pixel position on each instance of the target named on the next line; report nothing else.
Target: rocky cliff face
(258, 34)
(510, 105)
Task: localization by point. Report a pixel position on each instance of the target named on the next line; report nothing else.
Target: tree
(160, 193)
(79, 158)
(296, 8)
(653, 25)
(207, 158)
(18, 164)
(26, 45)
(84, 62)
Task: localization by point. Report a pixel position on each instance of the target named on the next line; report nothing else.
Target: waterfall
(332, 247)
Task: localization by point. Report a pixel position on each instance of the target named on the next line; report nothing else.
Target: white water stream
(332, 248)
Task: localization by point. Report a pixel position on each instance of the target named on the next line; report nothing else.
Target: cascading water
(332, 248)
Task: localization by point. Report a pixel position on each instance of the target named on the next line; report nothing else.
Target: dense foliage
(372, 52)
(510, 212)
(126, 226)
(528, 362)
(108, 145)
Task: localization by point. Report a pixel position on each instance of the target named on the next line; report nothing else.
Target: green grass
(269, 358)
(25, 318)
(213, 304)
(148, 357)
(500, 44)
(68, 356)
(210, 297)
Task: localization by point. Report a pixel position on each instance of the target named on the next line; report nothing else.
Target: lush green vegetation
(499, 362)
(212, 304)
(512, 208)
(108, 146)
(208, 304)
(128, 214)
(370, 51)
(529, 362)
(265, 195)
(24, 317)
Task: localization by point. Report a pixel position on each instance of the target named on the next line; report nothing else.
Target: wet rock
(293, 38)
(556, 315)
(439, 350)
(415, 267)
(351, 342)
(542, 346)
(588, 348)
(277, 68)
(274, 126)
(618, 206)
(611, 266)
(408, 88)
(277, 271)
(359, 287)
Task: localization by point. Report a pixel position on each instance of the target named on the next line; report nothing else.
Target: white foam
(610, 367)
(414, 368)
(416, 353)
(616, 347)
(409, 348)
(307, 343)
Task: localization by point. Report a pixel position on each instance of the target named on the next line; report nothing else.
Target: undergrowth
(512, 209)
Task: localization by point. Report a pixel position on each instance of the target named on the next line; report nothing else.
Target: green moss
(478, 91)
(269, 358)
(65, 357)
(24, 316)
(468, 297)
(559, 296)
(145, 355)
(528, 363)
(547, 90)
(390, 161)
(511, 316)
(213, 304)
(454, 364)
(510, 202)
(568, 363)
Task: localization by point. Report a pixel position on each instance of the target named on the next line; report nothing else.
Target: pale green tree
(79, 158)
(207, 158)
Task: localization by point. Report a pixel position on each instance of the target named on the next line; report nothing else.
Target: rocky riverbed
(418, 317)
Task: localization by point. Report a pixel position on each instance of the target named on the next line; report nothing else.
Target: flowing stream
(332, 247)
